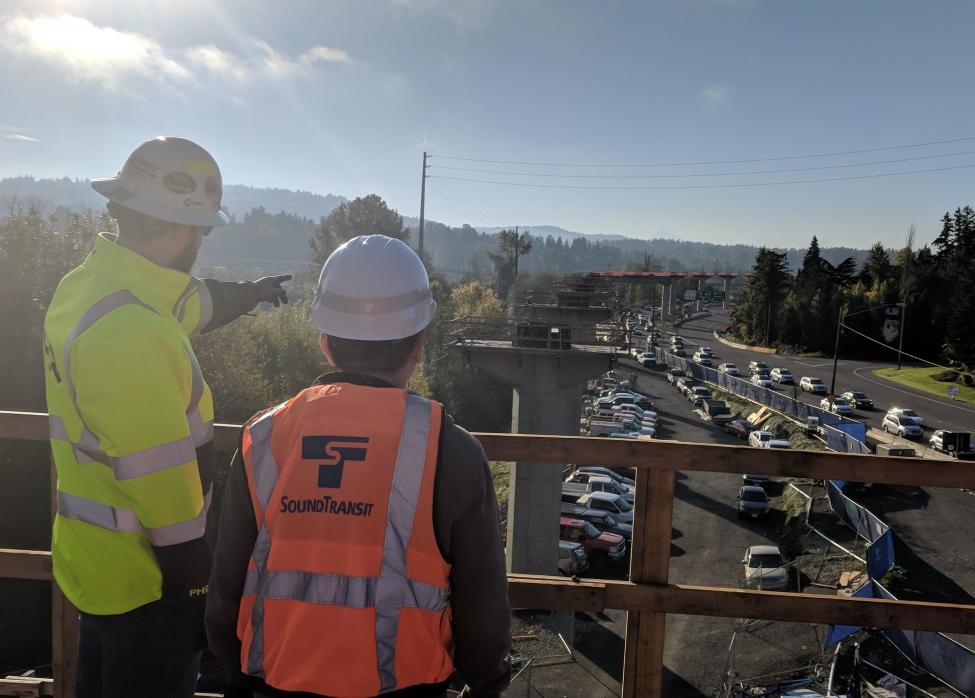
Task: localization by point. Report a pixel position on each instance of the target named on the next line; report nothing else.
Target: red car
(600, 546)
(737, 427)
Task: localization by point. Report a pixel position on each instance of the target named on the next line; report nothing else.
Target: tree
(769, 282)
(511, 246)
(366, 215)
(877, 267)
(959, 247)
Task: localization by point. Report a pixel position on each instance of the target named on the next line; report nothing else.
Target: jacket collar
(164, 289)
(353, 379)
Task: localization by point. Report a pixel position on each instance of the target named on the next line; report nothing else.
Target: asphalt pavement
(707, 547)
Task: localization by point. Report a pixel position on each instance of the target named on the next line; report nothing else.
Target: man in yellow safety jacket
(131, 421)
(359, 550)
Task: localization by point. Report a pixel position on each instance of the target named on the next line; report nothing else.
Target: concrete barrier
(748, 347)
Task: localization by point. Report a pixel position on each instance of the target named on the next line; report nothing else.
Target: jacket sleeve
(235, 542)
(228, 300)
(133, 390)
(478, 584)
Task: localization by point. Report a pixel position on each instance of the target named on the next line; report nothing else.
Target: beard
(185, 260)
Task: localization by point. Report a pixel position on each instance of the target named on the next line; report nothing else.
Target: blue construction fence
(952, 663)
(938, 654)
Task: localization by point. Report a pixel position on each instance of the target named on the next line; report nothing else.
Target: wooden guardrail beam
(654, 455)
(25, 564)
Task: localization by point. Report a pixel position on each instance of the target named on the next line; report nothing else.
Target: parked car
(679, 352)
(811, 384)
(608, 472)
(955, 443)
(752, 501)
(675, 373)
(861, 400)
(837, 405)
(765, 568)
(766, 439)
(698, 394)
(600, 546)
(904, 427)
(754, 366)
(605, 521)
(718, 410)
(728, 368)
(606, 501)
(597, 483)
(761, 381)
(685, 383)
(737, 427)
(702, 359)
(782, 376)
(911, 414)
(572, 558)
(648, 359)
(757, 479)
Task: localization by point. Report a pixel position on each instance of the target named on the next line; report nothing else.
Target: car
(728, 368)
(703, 359)
(706, 350)
(584, 483)
(677, 339)
(698, 394)
(648, 359)
(606, 501)
(837, 405)
(765, 568)
(679, 352)
(782, 376)
(756, 479)
(766, 439)
(604, 521)
(636, 353)
(608, 472)
(811, 384)
(861, 400)
(737, 427)
(684, 384)
(752, 501)
(675, 373)
(937, 441)
(905, 427)
(600, 546)
(572, 558)
(761, 381)
(754, 366)
(911, 414)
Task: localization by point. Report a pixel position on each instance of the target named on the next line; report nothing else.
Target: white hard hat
(373, 288)
(171, 179)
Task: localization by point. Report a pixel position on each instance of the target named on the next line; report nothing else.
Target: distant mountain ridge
(276, 223)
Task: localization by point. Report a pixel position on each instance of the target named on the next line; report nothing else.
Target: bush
(948, 376)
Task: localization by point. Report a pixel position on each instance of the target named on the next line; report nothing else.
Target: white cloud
(91, 53)
(718, 93)
(127, 61)
(20, 137)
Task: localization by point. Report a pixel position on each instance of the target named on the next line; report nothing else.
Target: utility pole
(836, 354)
(423, 200)
(903, 304)
(517, 250)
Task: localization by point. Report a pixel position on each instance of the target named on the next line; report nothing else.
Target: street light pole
(900, 343)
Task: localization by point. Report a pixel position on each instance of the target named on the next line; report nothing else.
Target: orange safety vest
(347, 593)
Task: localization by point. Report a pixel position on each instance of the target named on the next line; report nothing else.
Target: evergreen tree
(366, 215)
(877, 267)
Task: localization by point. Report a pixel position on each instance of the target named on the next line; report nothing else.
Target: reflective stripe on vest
(387, 593)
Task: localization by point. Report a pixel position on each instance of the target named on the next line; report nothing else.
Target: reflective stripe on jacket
(346, 592)
(128, 409)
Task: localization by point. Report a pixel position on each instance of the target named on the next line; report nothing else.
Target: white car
(839, 406)
(762, 381)
(766, 439)
(728, 368)
(901, 412)
(782, 376)
(812, 384)
(703, 359)
(904, 427)
(648, 359)
(606, 501)
(706, 350)
(765, 568)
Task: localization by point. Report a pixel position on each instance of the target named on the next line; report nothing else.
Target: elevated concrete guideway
(666, 278)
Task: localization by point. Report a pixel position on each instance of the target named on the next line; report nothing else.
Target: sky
(613, 98)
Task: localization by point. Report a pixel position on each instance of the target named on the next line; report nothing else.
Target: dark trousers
(150, 652)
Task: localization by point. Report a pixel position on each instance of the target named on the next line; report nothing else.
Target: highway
(938, 412)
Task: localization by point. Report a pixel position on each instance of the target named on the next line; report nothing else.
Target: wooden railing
(647, 596)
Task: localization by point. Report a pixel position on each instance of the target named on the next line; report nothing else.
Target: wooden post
(64, 625)
(643, 656)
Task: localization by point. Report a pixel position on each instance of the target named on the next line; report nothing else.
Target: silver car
(765, 568)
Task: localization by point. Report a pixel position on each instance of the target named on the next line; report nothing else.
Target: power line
(702, 174)
(710, 162)
(877, 341)
(705, 186)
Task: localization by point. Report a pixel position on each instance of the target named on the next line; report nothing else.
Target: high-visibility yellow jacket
(128, 409)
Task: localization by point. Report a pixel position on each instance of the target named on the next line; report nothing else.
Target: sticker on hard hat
(140, 167)
(199, 167)
(179, 183)
(212, 189)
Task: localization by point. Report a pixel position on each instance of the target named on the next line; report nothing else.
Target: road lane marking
(857, 373)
